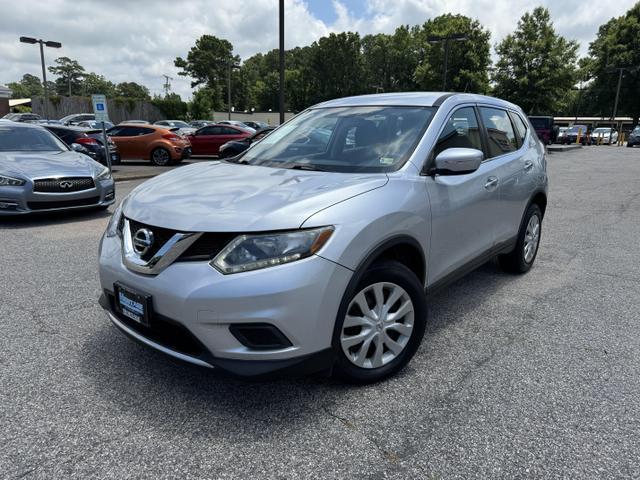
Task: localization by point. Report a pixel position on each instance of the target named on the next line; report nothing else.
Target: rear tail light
(172, 137)
(86, 141)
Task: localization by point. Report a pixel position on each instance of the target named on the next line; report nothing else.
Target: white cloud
(127, 40)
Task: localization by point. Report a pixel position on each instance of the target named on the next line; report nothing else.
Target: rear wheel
(521, 259)
(380, 323)
(161, 157)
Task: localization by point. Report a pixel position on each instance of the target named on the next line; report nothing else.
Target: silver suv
(316, 249)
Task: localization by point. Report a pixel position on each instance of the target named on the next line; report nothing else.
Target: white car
(608, 135)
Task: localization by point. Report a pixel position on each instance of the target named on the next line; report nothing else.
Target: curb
(133, 177)
(564, 148)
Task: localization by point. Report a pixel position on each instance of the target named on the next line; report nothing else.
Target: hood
(227, 197)
(32, 165)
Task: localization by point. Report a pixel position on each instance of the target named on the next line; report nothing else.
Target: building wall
(272, 118)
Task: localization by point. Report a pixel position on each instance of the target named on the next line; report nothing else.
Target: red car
(209, 139)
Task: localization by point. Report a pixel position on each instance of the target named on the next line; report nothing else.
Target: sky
(137, 40)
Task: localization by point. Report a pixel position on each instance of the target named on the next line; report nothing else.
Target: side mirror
(76, 147)
(458, 161)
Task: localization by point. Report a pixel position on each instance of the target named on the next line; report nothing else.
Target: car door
(201, 139)
(123, 137)
(463, 207)
(514, 163)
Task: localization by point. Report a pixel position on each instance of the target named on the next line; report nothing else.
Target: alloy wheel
(378, 325)
(531, 238)
(161, 156)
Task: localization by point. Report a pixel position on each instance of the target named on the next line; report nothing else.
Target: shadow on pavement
(150, 385)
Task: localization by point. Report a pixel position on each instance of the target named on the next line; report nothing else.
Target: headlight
(104, 174)
(10, 181)
(113, 228)
(251, 252)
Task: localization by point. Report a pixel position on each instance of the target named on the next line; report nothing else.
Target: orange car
(150, 142)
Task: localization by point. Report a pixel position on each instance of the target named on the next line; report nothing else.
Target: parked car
(604, 136)
(150, 142)
(256, 125)
(562, 133)
(77, 135)
(544, 128)
(76, 118)
(92, 124)
(208, 140)
(136, 122)
(634, 137)
(201, 123)
(22, 117)
(581, 131)
(113, 148)
(236, 147)
(178, 126)
(40, 173)
(237, 123)
(299, 257)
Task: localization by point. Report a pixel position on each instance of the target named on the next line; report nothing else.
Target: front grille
(205, 248)
(163, 331)
(63, 185)
(160, 237)
(81, 202)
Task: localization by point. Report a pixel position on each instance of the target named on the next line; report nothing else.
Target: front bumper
(195, 308)
(23, 200)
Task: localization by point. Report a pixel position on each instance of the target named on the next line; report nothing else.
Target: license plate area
(132, 304)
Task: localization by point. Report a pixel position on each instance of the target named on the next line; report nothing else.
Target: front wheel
(521, 259)
(380, 324)
(161, 157)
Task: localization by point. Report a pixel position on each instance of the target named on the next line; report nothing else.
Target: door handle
(528, 165)
(492, 183)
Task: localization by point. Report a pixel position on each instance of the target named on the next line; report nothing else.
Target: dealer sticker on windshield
(387, 160)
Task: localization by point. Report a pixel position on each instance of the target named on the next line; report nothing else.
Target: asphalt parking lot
(531, 376)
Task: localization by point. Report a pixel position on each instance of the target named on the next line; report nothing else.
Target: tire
(520, 260)
(161, 157)
(389, 279)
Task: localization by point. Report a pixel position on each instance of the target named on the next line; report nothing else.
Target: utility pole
(446, 39)
(43, 43)
(281, 99)
(615, 105)
(167, 86)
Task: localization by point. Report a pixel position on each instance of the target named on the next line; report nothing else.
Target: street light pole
(281, 99)
(615, 105)
(229, 90)
(455, 37)
(42, 44)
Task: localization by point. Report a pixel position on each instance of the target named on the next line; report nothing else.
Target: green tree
(171, 106)
(29, 86)
(336, 67)
(70, 74)
(616, 46)
(207, 63)
(201, 106)
(95, 84)
(536, 66)
(468, 60)
(132, 90)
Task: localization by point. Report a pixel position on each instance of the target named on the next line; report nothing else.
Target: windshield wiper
(304, 166)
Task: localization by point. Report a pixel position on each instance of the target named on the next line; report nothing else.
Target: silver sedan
(39, 173)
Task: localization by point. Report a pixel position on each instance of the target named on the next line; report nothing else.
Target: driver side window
(460, 131)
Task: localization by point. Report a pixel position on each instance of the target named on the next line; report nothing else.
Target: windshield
(578, 129)
(179, 124)
(21, 139)
(344, 139)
